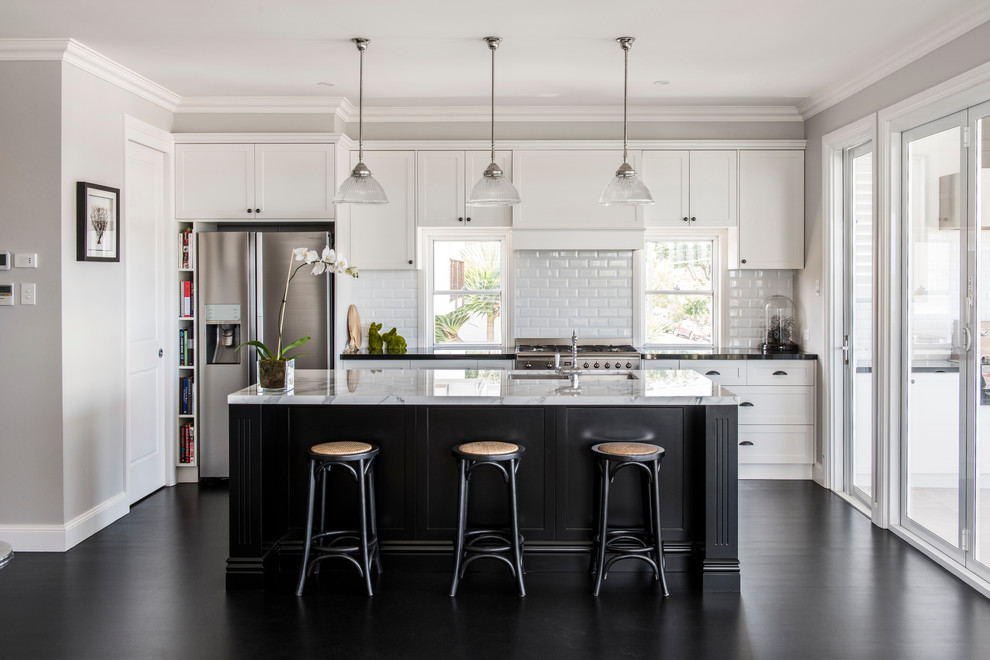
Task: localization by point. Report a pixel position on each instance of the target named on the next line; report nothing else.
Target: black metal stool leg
(597, 531)
(363, 505)
(462, 497)
(309, 528)
(658, 536)
(603, 527)
(374, 515)
(516, 550)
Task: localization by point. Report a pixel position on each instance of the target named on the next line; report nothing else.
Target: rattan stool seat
(488, 448)
(340, 448)
(628, 448)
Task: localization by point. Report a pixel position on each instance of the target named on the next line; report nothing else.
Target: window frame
(720, 278)
(426, 291)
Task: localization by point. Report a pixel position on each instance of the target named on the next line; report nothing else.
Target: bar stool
(6, 553)
(643, 543)
(360, 547)
(472, 544)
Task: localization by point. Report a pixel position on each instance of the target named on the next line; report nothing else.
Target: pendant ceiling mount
(360, 187)
(493, 189)
(626, 189)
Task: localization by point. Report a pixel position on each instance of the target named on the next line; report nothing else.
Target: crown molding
(83, 57)
(575, 114)
(336, 105)
(613, 145)
(259, 138)
(935, 38)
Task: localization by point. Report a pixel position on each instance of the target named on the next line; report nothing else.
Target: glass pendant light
(360, 187)
(493, 189)
(626, 188)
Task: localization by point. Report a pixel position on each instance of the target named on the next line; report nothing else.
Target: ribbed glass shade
(360, 190)
(625, 190)
(493, 191)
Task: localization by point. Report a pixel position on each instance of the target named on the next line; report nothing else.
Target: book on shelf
(186, 345)
(186, 395)
(185, 248)
(187, 443)
(186, 298)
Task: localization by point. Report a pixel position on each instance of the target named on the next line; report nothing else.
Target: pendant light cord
(493, 104)
(361, 108)
(625, 103)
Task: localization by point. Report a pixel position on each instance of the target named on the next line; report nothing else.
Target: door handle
(161, 352)
(969, 339)
(845, 349)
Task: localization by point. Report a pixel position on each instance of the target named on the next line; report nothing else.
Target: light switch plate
(6, 293)
(28, 294)
(26, 260)
(4, 260)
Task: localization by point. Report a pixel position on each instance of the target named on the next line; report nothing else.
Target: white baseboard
(59, 538)
(768, 471)
(818, 474)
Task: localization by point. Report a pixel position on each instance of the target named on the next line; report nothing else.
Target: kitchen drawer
(721, 372)
(776, 444)
(775, 405)
(780, 372)
(660, 364)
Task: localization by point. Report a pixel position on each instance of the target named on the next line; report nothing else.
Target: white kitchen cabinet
(254, 181)
(383, 236)
(690, 188)
(444, 180)
(560, 189)
(766, 404)
(771, 211)
(776, 444)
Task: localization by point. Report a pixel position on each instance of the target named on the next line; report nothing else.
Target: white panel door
(561, 189)
(293, 181)
(144, 195)
(771, 209)
(214, 181)
(383, 236)
(440, 188)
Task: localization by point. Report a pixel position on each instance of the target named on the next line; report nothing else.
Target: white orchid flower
(300, 253)
(311, 256)
(329, 256)
(319, 268)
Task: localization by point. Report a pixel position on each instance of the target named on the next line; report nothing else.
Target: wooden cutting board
(353, 329)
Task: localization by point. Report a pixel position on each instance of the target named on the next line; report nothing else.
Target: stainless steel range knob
(628, 365)
(585, 365)
(529, 365)
(607, 365)
(549, 365)
(596, 365)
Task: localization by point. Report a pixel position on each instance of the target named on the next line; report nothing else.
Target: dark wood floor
(818, 582)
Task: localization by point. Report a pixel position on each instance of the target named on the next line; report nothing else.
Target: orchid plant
(328, 262)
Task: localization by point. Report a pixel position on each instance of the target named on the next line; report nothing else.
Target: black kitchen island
(417, 416)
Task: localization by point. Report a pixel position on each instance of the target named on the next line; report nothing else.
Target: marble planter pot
(276, 376)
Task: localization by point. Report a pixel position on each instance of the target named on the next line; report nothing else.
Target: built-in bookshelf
(186, 448)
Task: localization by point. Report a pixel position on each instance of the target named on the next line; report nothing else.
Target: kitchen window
(681, 292)
(465, 290)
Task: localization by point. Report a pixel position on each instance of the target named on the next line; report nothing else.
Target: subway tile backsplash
(748, 293)
(557, 291)
(388, 297)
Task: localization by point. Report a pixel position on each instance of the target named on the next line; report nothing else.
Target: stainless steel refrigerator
(241, 277)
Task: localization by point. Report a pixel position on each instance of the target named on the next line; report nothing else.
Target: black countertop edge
(503, 353)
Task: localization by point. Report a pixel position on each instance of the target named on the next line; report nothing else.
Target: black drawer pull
(780, 373)
(745, 404)
(746, 443)
(712, 373)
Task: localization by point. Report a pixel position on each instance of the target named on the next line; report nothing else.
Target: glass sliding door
(937, 300)
(858, 321)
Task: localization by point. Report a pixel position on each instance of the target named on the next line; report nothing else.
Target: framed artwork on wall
(97, 222)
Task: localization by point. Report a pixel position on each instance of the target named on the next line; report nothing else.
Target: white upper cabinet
(690, 188)
(444, 182)
(771, 211)
(383, 236)
(561, 189)
(255, 182)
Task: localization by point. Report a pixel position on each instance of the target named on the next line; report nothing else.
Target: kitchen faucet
(574, 349)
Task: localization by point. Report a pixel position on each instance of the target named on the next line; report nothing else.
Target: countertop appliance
(240, 281)
(593, 354)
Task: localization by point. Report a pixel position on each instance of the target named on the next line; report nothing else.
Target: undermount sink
(619, 375)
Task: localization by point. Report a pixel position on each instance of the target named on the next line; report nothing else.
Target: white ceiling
(430, 53)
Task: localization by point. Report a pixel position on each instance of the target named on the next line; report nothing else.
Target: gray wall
(958, 56)
(93, 311)
(31, 337)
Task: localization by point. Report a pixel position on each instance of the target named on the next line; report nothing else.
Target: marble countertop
(493, 387)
